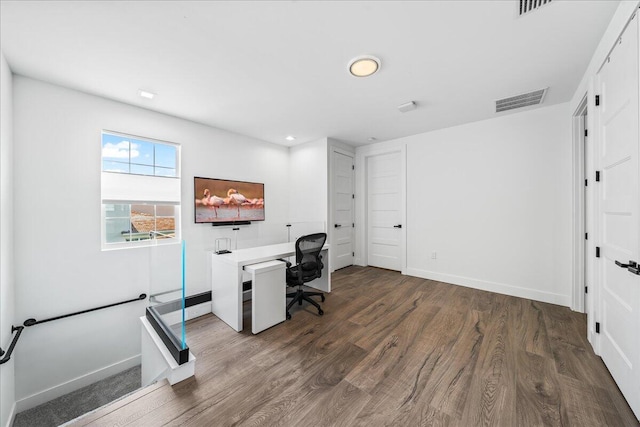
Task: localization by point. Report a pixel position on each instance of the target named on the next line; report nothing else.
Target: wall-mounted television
(226, 202)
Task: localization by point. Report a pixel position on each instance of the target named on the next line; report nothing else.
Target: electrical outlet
(434, 255)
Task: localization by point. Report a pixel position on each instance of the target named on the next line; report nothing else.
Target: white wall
(7, 301)
(623, 13)
(59, 266)
(308, 186)
(336, 143)
(493, 199)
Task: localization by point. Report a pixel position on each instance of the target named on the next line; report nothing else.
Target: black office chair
(308, 267)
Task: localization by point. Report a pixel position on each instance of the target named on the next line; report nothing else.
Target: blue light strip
(184, 333)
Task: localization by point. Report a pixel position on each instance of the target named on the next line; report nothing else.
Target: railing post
(12, 345)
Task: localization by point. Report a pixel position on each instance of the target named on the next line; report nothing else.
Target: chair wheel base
(299, 296)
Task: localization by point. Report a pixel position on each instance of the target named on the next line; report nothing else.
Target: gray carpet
(79, 402)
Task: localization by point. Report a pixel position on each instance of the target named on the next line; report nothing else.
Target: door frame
(580, 227)
(585, 204)
(332, 201)
(363, 153)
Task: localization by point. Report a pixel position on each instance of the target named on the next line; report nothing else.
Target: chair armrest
(285, 261)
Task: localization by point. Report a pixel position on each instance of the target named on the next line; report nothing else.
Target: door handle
(631, 264)
(397, 226)
(337, 225)
(632, 267)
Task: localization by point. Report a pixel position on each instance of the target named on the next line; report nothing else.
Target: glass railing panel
(167, 273)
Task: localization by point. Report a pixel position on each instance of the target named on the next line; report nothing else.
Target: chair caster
(288, 316)
(320, 312)
(322, 298)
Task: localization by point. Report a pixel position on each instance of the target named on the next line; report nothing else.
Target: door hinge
(353, 167)
(353, 254)
(597, 100)
(586, 182)
(597, 176)
(586, 236)
(353, 196)
(597, 251)
(586, 132)
(353, 225)
(586, 289)
(597, 327)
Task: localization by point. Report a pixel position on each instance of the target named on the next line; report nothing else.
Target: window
(135, 223)
(140, 191)
(126, 154)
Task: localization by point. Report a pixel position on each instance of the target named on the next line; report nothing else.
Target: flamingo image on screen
(224, 201)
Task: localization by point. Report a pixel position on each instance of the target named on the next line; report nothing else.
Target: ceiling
(270, 69)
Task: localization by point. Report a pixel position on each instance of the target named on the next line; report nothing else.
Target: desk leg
(226, 293)
(268, 295)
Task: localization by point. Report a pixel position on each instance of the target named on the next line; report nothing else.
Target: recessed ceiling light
(407, 106)
(146, 94)
(290, 138)
(364, 66)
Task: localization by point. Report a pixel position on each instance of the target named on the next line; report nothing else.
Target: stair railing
(33, 322)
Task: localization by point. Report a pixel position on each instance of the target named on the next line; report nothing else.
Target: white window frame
(136, 189)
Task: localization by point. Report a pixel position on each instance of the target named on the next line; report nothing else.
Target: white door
(618, 216)
(342, 235)
(384, 204)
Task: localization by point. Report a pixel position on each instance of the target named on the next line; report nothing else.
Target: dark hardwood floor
(390, 350)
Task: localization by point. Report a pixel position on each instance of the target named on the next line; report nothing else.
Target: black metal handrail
(32, 322)
(7, 356)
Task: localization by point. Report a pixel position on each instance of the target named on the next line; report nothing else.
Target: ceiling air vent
(527, 6)
(519, 101)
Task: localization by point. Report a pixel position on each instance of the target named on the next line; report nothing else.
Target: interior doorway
(582, 204)
(384, 211)
(343, 210)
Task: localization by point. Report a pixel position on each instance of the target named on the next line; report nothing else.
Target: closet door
(618, 197)
(342, 243)
(384, 211)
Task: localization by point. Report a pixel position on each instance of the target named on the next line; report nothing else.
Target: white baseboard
(75, 384)
(500, 288)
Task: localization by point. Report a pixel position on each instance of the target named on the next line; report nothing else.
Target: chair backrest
(308, 253)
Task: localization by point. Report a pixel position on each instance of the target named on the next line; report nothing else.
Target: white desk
(226, 277)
